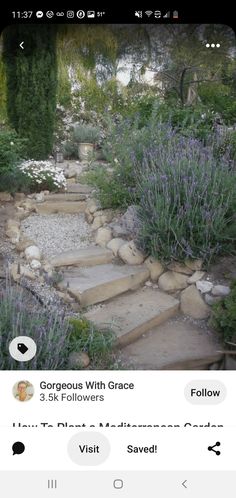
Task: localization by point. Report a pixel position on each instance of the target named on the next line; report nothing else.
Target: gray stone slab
(51, 207)
(102, 282)
(88, 256)
(67, 197)
(133, 314)
(79, 188)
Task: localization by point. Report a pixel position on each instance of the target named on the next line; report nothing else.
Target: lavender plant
(49, 329)
(56, 336)
(186, 196)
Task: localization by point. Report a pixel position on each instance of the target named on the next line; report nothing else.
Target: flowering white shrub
(43, 175)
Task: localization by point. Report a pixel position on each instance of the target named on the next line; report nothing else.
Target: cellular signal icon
(167, 15)
(138, 13)
(148, 13)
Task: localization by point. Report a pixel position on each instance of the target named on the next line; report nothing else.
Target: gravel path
(56, 233)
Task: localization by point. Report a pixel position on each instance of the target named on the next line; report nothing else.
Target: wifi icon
(148, 13)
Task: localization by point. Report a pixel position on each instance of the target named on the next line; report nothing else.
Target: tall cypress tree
(32, 84)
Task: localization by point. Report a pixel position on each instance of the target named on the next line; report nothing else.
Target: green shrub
(195, 121)
(225, 144)
(85, 337)
(219, 98)
(12, 150)
(224, 315)
(70, 150)
(85, 134)
(31, 78)
(125, 140)
(14, 181)
(113, 190)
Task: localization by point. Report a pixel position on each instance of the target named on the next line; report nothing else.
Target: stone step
(52, 207)
(133, 314)
(175, 344)
(88, 256)
(65, 197)
(79, 188)
(100, 283)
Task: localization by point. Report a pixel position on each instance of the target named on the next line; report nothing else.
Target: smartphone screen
(117, 253)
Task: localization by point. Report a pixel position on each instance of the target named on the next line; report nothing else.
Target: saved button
(205, 392)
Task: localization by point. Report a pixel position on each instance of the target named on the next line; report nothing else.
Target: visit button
(205, 392)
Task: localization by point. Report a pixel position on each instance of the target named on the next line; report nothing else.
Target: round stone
(78, 360)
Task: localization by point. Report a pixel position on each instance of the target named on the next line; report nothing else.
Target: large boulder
(126, 226)
(13, 234)
(129, 220)
(19, 196)
(172, 281)
(73, 170)
(130, 254)
(93, 205)
(179, 268)
(106, 214)
(196, 276)
(104, 235)
(27, 204)
(78, 360)
(192, 304)
(17, 271)
(11, 223)
(155, 268)
(119, 231)
(88, 216)
(5, 197)
(100, 218)
(115, 244)
(97, 222)
(194, 264)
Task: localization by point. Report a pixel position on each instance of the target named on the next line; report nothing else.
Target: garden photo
(118, 196)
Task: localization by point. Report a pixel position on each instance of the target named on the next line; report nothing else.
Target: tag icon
(22, 348)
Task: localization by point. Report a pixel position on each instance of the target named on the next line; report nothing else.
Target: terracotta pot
(85, 150)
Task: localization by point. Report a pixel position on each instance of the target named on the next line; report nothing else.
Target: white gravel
(56, 233)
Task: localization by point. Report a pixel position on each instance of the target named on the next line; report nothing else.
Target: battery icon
(175, 14)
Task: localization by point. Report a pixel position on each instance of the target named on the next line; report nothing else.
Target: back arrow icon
(184, 484)
(22, 45)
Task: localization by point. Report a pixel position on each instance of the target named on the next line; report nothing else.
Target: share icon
(211, 448)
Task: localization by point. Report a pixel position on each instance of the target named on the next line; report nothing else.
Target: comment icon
(18, 448)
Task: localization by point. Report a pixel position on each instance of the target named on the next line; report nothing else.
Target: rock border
(196, 293)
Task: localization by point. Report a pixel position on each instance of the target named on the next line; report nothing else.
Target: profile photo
(23, 390)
